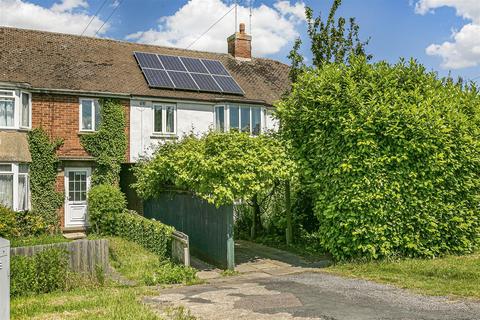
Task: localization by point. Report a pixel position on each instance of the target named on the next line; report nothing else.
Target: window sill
(171, 136)
(81, 133)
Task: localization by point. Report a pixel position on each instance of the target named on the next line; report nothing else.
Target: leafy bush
(170, 273)
(391, 155)
(104, 203)
(21, 224)
(44, 272)
(8, 223)
(150, 234)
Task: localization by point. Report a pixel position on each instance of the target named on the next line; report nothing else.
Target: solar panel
(157, 78)
(172, 63)
(227, 84)
(215, 67)
(206, 82)
(194, 65)
(148, 60)
(182, 80)
(186, 73)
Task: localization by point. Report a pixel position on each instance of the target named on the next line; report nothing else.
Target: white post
(4, 279)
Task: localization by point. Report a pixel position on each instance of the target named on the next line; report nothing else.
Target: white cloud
(272, 27)
(67, 16)
(463, 50)
(69, 5)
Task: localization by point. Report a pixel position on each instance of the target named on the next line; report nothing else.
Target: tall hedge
(392, 155)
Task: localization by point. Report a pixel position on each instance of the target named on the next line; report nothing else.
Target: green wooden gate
(210, 229)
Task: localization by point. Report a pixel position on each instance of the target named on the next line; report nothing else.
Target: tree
(219, 167)
(391, 155)
(330, 41)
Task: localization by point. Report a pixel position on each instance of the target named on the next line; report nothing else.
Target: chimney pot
(240, 44)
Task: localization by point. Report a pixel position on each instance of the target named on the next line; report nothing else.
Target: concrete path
(308, 295)
(256, 258)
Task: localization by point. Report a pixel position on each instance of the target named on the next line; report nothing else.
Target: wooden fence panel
(84, 255)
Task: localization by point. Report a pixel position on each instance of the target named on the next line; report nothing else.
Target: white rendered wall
(190, 117)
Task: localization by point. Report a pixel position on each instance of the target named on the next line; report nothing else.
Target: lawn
(37, 240)
(98, 303)
(112, 301)
(448, 276)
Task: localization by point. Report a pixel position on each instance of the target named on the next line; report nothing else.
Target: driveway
(308, 295)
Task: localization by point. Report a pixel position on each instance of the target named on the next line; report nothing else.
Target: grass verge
(448, 276)
(102, 303)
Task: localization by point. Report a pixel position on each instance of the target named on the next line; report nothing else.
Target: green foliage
(23, 224)
(8, 223)
(44, 272)
(218, 167)
(105, 201)
(391, 155)
(43, 174)
(37, 240)
(170, 273)
(109, 144)
(150, 234)
(330, 41)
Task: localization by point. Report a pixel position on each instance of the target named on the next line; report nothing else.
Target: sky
(444, 35)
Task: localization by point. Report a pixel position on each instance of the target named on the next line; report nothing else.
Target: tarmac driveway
(308, 295)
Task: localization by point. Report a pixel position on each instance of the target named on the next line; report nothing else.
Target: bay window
(241, 118)
(14, 186)
(90, 116)
(15, 109)
(164, 119)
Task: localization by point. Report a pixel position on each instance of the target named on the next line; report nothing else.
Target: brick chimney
(240, 44)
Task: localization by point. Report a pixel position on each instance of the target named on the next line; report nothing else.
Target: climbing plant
(43, 173)
(109, 144)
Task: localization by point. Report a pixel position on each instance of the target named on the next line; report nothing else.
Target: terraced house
(55, 81)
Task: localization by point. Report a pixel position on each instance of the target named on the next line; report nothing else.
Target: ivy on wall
(109, 144)
(43, 173)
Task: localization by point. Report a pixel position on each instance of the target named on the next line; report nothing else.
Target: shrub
(391, 155)
(152, 235)
(46, 271)
(170, 273)
(104, 203)
(8, 223)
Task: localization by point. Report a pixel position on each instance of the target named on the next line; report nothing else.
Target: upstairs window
(90, 117)
(164, 119)
(15, 109)
(7, 109)
(241, 118)
(25, 110)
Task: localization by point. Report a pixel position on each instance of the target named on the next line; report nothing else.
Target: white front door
(77, 184)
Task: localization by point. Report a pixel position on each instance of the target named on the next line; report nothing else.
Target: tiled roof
(67, 62)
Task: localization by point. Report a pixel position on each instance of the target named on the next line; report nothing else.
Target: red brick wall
(59, 116)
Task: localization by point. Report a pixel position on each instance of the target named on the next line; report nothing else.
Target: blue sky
(397, 28)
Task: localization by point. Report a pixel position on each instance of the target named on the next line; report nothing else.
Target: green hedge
(108, 215)
(392, 155)
(44, 272)
(152, 235)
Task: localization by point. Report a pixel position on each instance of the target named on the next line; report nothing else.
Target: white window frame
(20, 109)
(15, 174)
(240, 106)
(163, 107)
(80, 114)
(14, 96)
(225, 129)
